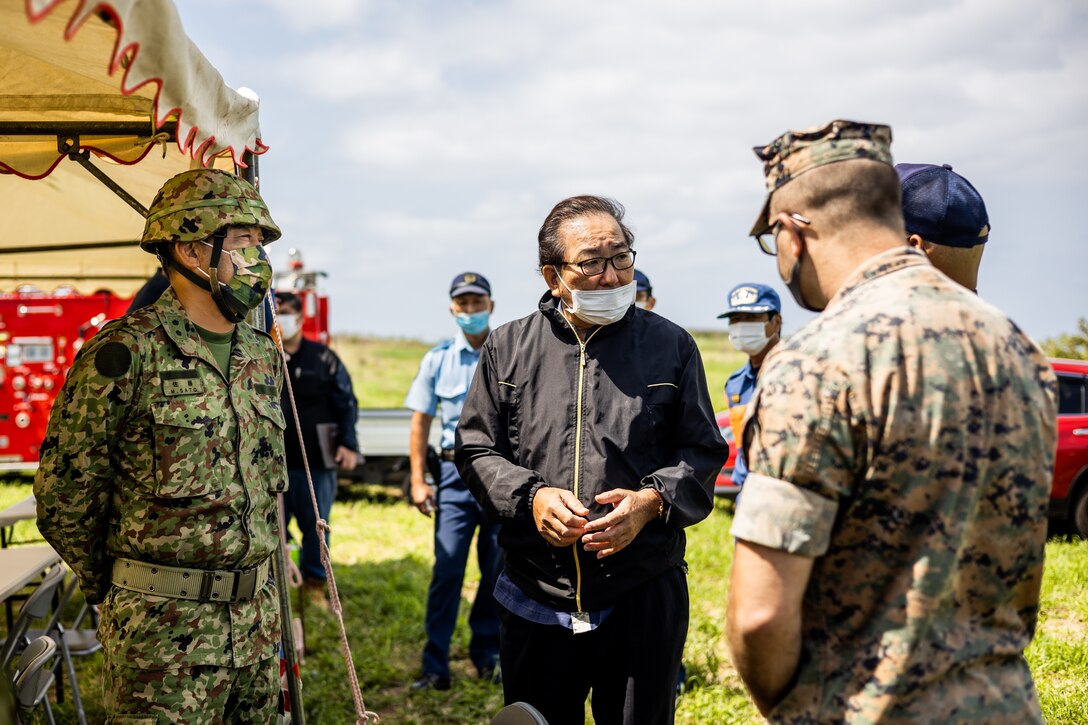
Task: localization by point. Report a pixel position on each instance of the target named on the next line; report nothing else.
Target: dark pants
(630, 662)
(297, 503)
(456, 521)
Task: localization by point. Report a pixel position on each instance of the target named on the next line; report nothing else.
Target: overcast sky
(411, 141)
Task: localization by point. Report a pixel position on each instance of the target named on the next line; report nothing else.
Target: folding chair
(36, 606)
(32, 677)
(73, 642)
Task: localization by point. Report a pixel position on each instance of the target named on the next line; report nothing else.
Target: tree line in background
(1074, 346)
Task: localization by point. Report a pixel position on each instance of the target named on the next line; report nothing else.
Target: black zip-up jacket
(323, 394)
(645, 421)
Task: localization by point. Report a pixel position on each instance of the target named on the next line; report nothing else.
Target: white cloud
(311, 14)
(347, 71)
(662, 88)
(423, 138)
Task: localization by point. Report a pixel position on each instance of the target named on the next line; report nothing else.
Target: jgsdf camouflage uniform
(153, 455)
(905, 439)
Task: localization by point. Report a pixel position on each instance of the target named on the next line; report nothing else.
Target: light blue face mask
(473, 324)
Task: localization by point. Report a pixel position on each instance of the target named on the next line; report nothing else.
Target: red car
(723, 485)
(1069, 492)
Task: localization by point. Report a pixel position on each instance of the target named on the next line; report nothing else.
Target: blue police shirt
(442, 383)
(738, 391)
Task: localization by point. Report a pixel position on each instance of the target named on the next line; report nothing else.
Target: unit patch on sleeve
(112, 360)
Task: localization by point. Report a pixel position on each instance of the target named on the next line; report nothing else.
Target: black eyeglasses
(768, 240)
(596, 266)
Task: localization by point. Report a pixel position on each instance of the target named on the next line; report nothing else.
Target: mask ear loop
(167, 262)
(559, 276)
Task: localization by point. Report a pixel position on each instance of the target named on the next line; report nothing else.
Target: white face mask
(641, 304)
(290, 325)
(600, 306)
(748, 337)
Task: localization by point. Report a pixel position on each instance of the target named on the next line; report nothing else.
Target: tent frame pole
(70, 146)
(101, 129)
(287, 630)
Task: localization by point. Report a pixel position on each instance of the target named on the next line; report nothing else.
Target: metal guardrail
(384, 432)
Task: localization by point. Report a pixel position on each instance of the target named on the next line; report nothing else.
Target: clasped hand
(562, 519)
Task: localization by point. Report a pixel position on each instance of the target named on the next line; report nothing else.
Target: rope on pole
(362, 715)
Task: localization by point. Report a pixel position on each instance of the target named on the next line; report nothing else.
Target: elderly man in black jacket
(589, 434)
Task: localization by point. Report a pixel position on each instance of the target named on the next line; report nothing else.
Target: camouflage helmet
(196, 204)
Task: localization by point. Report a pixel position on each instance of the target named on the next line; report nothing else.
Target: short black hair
(845, 193)
(289, 299)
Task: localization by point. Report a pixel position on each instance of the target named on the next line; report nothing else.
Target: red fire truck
(315, 303)
(41, 332)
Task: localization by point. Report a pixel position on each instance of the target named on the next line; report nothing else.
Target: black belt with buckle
(447, 454)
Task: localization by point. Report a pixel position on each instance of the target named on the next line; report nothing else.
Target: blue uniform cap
(642, 283)
(469, 283)
(942, 207)
(752, 297)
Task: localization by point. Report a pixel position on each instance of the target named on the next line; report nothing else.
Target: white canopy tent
(119, 87)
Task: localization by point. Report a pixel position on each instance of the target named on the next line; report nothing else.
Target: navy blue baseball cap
(942, 207)
(470, 283)
(752, 297)
(642, 283)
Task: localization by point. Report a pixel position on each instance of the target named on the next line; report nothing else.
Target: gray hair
(550, 248)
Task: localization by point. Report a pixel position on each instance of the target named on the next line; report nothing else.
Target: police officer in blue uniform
(441, 386)
(755, 326)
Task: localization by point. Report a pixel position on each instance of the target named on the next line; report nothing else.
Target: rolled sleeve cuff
(780, 515)
(421, 403)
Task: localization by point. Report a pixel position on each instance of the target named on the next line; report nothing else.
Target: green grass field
(382, 552)
(382, 369)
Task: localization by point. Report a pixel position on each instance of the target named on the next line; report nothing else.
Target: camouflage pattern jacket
(152, 455)
(904, 439)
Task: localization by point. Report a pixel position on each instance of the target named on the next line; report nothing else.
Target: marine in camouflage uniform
(159, 479)
(902, 444)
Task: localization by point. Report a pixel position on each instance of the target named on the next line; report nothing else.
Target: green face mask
(249, 285)
(252, 275)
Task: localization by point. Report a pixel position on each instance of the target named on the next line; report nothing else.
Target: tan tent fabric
(55, 63)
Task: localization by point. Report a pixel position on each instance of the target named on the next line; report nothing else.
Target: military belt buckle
(207, 581)
(245, 584)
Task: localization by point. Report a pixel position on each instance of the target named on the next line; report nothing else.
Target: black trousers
(630, 662)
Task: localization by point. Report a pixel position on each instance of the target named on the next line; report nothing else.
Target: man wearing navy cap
(441, 384)
(945, 218)
(644, 292)
(755, 324)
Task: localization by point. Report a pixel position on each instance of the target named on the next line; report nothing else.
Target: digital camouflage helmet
(196, 204)
(201, 205)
